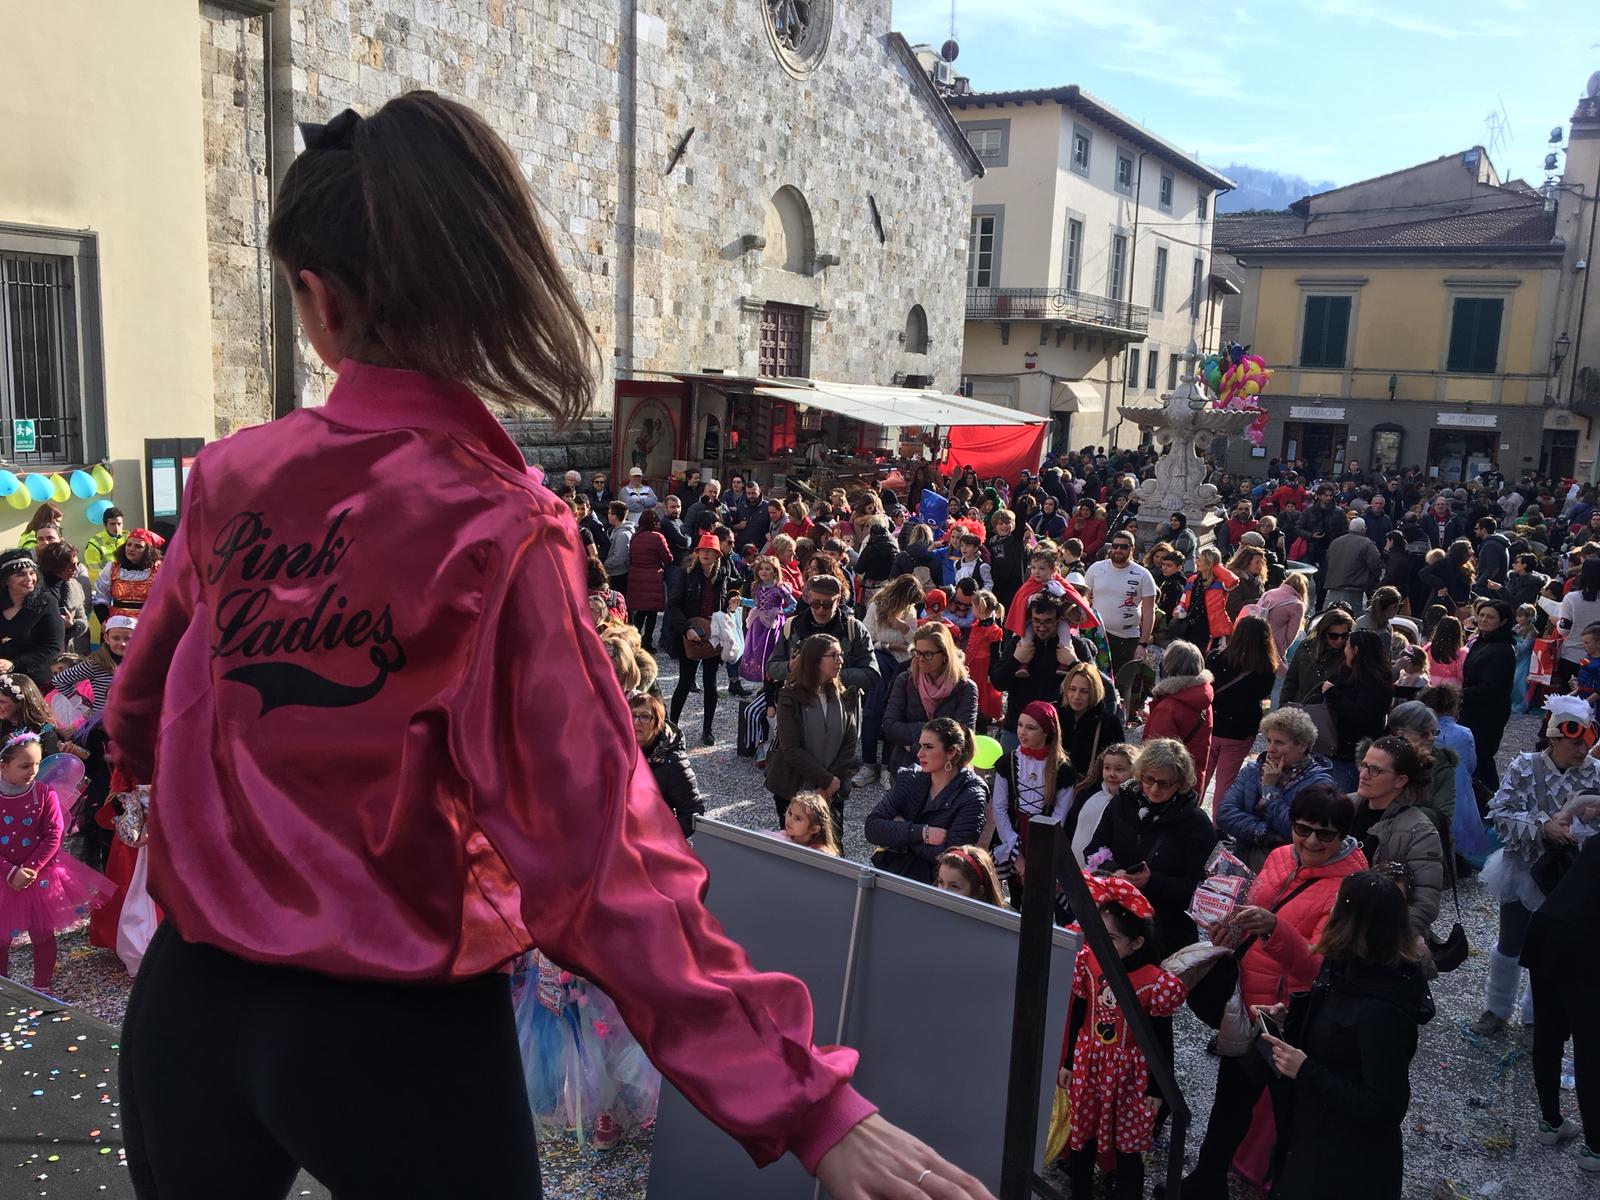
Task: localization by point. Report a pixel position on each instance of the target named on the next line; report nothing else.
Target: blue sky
(1326, 89)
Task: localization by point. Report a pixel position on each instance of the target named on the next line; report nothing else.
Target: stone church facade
(711, 169)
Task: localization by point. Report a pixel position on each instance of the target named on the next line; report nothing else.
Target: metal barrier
(1048, 864)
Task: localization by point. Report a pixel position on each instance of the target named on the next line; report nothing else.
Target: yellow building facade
(1418, 344)
(105, 340)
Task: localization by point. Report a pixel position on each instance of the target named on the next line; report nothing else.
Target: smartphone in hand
(1266, 1025)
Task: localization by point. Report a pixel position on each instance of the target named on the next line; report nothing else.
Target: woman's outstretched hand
(879, 1161)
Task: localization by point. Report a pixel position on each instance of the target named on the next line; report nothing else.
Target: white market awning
(879, 405)
(1077, 395)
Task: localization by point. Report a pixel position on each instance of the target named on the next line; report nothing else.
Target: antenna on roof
(951, 49)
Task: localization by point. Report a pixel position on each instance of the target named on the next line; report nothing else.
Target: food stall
(776, 430)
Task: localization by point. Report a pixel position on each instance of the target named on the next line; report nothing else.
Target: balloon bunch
(25, 490)
(1243, 377)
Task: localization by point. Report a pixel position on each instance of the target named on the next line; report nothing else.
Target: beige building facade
(1088, 260)
(104, 342)
(1575, 351)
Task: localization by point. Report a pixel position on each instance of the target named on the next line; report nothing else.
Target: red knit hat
(1044, 715)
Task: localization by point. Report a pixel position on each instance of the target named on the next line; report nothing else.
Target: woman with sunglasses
(1276, 928)
(1396, 834)
(1318, 657)
(1530, 813)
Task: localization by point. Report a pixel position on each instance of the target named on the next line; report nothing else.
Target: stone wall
(592, 102)
(232, 90)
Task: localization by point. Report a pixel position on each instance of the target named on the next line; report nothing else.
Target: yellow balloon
(1251, 388)
(19, 498)
(102, 480)
(60, 489)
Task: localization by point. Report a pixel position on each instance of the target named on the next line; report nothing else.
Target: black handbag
(1451, 951)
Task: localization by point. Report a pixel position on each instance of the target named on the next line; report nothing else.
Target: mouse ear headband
(337, 134)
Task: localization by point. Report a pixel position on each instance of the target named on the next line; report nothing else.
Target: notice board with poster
(167, 463)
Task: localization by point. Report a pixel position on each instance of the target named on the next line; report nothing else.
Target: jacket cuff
(825, 1126)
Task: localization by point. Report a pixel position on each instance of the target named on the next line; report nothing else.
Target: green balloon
(988, 752)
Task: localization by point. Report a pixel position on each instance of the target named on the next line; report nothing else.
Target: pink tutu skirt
(61, 897)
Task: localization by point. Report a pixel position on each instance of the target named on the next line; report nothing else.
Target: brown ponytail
(420, 212)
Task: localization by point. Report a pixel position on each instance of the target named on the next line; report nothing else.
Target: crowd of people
(1372, 633)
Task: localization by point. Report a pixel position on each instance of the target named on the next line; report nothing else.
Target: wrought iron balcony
(1078, 309)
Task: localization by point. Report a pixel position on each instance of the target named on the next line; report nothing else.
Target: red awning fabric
(990, 450)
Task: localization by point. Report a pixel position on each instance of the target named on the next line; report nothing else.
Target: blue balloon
(96, 512)
(9, 483)
(38, 487)
(82, 486)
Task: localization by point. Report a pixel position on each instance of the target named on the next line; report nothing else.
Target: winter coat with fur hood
(1180, 708)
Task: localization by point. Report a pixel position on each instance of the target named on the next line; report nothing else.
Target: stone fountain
(1184, 426)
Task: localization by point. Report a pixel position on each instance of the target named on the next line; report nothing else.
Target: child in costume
(727, 635)
(45, 889)
(1522, 635)
(985, 633)
(1102, 1067)
(773, 601)
(585, 1073)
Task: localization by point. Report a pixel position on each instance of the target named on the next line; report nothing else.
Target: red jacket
(1288, 495)
(364, 708)
(1181, 708)
(648, 556)
(981, 641)
(1092, 533)
(1282, 963)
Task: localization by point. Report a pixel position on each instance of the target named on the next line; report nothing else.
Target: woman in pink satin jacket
(367, 611)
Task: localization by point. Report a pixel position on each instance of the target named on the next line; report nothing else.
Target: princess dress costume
(773, 600)
(31, 827)
(1519, 681)
(578, 1057)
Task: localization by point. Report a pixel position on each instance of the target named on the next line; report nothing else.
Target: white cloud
(1196, 83)
(1344, 9)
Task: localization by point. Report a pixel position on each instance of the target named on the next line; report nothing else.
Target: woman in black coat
(668, 761)
(935, 806)
(1157, 833)
(31, 630)
(1089, 721)
(1358, 696)
(1449, 580)
(1399, 572)
(697, 593)
(1486, 678)
(1346, 1051)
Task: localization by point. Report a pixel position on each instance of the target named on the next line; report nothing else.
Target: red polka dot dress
(1109, 1077)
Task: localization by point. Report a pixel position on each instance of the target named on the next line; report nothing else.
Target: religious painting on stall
(645, 429)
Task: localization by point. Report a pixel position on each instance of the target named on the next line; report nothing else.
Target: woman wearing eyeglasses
(1280, 922)
(667, 759)
(1155, 832)
(1395, 832)
(818, 731)
(936, 685)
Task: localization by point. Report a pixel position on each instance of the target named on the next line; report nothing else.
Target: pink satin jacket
(386, 743)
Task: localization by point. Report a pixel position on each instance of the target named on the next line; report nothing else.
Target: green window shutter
(1475, 335)
(1327, 331)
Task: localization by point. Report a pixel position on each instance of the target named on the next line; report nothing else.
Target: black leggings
(1240, 1082)
(1560, 1005)
(236, 1075)
(708, 688)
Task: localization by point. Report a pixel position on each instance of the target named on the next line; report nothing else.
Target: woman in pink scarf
(935, 685)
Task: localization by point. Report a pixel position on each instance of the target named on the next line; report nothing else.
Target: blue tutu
(578, 1058)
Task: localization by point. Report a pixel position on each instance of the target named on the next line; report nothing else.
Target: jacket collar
(383, 398)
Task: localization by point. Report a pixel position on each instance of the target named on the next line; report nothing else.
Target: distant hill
(1261, 190)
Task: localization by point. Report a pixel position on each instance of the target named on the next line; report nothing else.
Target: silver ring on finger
(926, 1171)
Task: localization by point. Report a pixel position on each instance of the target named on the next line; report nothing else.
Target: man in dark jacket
(1320, 525)
(1494, 554)
(1523, 582)
(1441, 525)
(747, 516)
(1378, 522)
(821, 615)
(599, 532)
(1030, 667)
(710, 503)
(672, 527)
